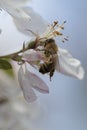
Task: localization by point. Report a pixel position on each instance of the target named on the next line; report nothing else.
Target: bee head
(49, 41)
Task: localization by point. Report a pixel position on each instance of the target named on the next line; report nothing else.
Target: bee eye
(49, 40)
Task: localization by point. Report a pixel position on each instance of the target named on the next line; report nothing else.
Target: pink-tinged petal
(32, 55)
(37, 83)
(28, 92)
(69, 65)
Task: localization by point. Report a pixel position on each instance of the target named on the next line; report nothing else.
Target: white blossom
(29, 22)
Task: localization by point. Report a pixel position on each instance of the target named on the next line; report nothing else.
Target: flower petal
(14, 8)
(24, 17)
(37, 24)
(28, 92)
(32, 55)
(37, 83)
(69, 65)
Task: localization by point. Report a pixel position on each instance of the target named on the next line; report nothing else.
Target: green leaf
(4, 64)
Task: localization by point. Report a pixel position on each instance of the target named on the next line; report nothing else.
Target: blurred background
(65, 108)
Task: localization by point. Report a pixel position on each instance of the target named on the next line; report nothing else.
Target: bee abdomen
(44, 68)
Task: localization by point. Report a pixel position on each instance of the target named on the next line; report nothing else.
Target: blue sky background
(66, 105)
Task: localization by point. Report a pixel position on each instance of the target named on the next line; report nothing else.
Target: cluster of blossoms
(42, 53)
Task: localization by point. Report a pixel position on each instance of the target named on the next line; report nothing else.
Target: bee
(51, 58)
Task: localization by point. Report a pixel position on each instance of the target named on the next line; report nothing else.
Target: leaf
(4, 64)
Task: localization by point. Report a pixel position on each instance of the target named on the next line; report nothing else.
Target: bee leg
(51, 74)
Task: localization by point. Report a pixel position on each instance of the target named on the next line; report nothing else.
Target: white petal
(32, 55)
(37, 24)
(69, 65)
(37, 82)
(28, 92)
(14, 8)
(24, 17)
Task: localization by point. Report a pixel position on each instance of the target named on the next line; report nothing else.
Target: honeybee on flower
(45, 56)
(42, 53)
(51, 49)
(50, 53)
(47, 47)
(64, 62)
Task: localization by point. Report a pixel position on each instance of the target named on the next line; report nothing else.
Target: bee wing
(26, 87)
(69, 65)
(37, 83)
(57, 64)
